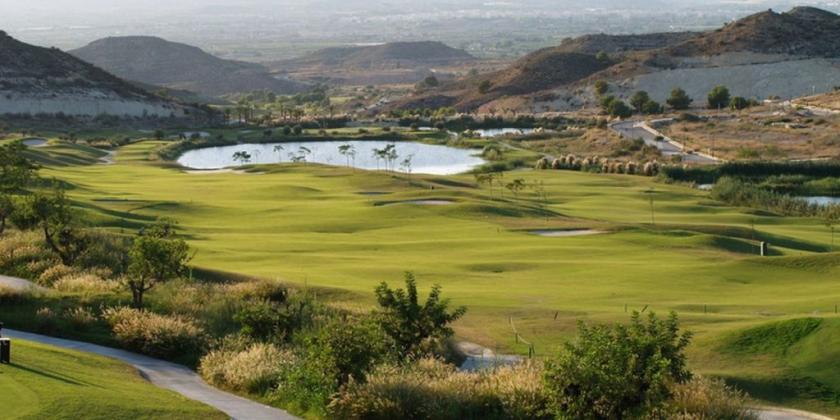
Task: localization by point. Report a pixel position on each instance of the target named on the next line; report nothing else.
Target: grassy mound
(47, 382)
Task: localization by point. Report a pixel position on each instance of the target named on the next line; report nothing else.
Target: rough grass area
(310, 225)
(47, 382)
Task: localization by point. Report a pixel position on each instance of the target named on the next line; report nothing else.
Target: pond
(821, 200)
(498, 132)
(425, 158)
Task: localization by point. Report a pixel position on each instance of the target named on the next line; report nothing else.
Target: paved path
(19, 284)
(170, 376)
(787, 414)
(635, 130)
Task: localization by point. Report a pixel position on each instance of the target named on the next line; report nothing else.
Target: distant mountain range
(173, 65)
(767, 54)
(36, 80)
(396, 62)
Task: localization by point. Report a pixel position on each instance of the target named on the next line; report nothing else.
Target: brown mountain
(765, 54)
(392, 63)
(36, 80)
(803, 31)
(394, 54)
(173, 65)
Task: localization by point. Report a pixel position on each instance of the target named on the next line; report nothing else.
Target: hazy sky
(235, 27)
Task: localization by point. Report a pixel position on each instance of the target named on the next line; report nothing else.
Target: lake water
(498, 132)
(822, 200)
(426, 158)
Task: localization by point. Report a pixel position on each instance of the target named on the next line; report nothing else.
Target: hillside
(36, 80)
(788, 55)
(173, 65)
(612, 44)
(392, 63)
(803, 31)
(395, 54)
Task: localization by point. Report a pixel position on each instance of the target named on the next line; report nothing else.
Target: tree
(279, 150)
(639, 99)
(156, 256)
(405, 165)
(602, 56)
(59, 224)
(738, 103)
(484, 87)
(431, 81)
(619, 109)
(719, 97)
(679, 100)
(242, 157)
(516, 186)
(601, 87)
(7, 206)
(652, 107)
(15, 173)
(414, 327)
(618, 372)
(348, 151)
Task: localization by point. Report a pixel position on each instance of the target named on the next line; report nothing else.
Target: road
(633, 130)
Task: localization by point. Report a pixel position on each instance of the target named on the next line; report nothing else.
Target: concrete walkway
(768, 413)
(170, 376)
(19, 284)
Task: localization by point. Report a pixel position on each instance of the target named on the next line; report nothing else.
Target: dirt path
(169, 376)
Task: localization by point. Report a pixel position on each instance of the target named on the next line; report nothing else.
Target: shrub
(256, 368)
(271, 291)
(80, 318)
(45, 320)
(156, 335)
(415, 327)
(703, 398)
(429, 388)
(9, 295)
(54, 273)
(334, 354)
(618, 371)
(85, 283)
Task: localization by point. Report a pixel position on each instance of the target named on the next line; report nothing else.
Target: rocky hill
(36, 80)
(767, 54)
(395, 54)
(392, 63)
(173, 65)
(803, 31)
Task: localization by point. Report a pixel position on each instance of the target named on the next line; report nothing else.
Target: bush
(430, 389)
(336, 353)
(85, 283)
(80, 318)
(704, 398)
(168, 337)
(256, 369)
(618, 371)
(271, 291)
(415, 328)
(55, 273)
(45, 320)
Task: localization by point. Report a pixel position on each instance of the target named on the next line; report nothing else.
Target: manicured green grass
(311, 225)
(48, 382)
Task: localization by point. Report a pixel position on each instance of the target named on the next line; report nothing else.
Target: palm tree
(348, 151)
(279, 150)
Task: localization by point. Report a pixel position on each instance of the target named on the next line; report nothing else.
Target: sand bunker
(566, 233)
(35, 142)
